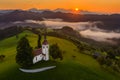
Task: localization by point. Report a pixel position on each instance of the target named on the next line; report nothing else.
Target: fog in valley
(86, 29)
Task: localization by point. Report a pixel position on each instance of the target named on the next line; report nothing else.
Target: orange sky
(109, 6)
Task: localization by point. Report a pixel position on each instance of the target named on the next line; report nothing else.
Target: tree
(2, 57)
(24, 53)
(39, 41)
(55, 52)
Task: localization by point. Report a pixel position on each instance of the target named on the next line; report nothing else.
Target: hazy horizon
(104, 6)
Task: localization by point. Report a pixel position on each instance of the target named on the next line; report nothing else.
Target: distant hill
(111, 22)
(19, 15)
(5, 11)
(65, 11)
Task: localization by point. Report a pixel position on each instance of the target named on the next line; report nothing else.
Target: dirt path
(36, 70)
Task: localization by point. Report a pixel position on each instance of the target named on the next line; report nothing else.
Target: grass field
(82, 67)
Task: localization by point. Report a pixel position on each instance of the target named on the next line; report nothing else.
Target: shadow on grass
(63, 71)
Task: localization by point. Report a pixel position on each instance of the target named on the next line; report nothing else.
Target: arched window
(36, 58)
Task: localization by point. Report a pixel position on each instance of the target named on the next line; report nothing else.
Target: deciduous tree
(55, 52)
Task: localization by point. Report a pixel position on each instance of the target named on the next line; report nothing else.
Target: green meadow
(79, 67)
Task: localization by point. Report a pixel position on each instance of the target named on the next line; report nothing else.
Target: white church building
(41, 53)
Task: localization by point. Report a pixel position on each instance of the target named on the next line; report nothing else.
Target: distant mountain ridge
(55, 10)
(64, 11)
(110, 21)
(20, 15)
(5, 11)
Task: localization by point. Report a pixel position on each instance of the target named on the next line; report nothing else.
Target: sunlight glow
(76, 9)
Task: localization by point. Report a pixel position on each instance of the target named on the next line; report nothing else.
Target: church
(41, 53)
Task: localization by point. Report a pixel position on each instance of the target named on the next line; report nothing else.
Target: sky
(106, 6)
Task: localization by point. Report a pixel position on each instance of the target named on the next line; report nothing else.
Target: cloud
(57, 19)
(32, 21)
(100, 36)
(86, 29)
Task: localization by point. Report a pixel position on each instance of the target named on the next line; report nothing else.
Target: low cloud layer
(100, 36)
(86, 29)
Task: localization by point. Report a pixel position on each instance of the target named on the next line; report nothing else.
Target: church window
(36, 58)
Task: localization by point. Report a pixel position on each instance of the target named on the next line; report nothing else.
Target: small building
(41, 53)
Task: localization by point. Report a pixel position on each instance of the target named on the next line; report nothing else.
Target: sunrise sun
(76, 9)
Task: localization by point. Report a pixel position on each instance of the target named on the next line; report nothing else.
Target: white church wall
(47, 57)
(34, 60)
(43, 49)
(37, 58)
(47, 53)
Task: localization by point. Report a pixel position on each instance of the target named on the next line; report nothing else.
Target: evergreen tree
(55, 52)
(24, 53)
(39, 41)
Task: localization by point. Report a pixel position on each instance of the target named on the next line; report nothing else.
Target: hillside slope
(82, 67)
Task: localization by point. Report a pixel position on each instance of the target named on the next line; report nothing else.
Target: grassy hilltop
(79, 67)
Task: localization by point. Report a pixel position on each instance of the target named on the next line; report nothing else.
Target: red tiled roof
(37, 52)
(45, 42)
